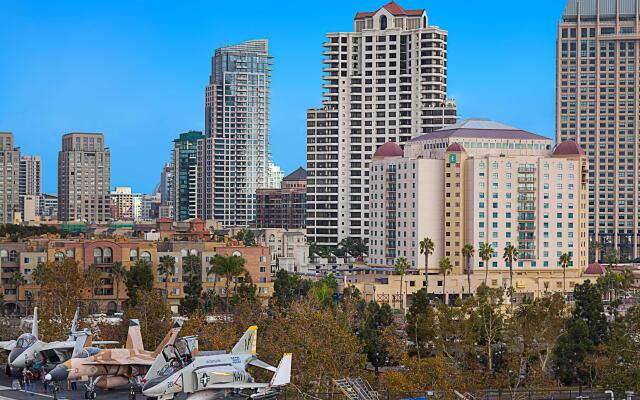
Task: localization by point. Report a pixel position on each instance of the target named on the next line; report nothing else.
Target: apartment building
(125, 205)
(385, 81)
(284, 207)
(9, 177)
(30, 183)
(479, 182)
(185, 184)
(24, 257)
(84, 178)
(597, 106)
(234, 156)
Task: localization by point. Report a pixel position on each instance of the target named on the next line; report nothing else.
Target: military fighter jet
(28, 349)
(213, 375)
(111, 368)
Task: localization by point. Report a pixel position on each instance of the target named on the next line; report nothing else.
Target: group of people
(31, 376)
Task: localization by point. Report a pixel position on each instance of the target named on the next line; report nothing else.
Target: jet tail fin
(75, 323)
(34, 325)
(170, 337)
(134, 337)
(283, 372)
(248, 343)
(83, 339)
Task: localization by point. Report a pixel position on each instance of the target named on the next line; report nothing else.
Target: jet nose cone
(59, 373)
(14, 358)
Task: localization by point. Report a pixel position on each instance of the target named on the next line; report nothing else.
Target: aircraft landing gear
(90, 394)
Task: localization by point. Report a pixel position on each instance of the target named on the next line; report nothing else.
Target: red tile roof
(455, 146)
(394, 8)
(389, 149)
(164, 220)
(568, 148)
(595, 269)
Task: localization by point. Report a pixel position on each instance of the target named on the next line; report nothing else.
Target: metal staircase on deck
(356, 389)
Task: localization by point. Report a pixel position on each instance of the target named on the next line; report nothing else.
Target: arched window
(97, 255)
(184, 252)
(133, 255)
(4, 255)
(71, 253)
(383, 22)
(13, 256)
(237, 253)
(108, 256)
(59, 256)
(193, 252)
(146, 256)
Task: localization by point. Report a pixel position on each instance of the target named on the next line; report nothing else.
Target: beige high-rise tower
(385, 81)
(84, 172)
(9, 177)
(597, 105)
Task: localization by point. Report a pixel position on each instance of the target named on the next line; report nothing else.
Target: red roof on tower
(389, 149)
(568, 148)
(394, 8)
(455, 146)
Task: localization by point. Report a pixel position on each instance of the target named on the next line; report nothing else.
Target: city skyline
(164, 88)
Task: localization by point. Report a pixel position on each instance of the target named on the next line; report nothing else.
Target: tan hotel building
(479, 182)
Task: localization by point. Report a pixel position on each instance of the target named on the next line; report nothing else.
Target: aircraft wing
(238, 385)
(8, 345)
(125, 361)
(58, 351)
(104, 342)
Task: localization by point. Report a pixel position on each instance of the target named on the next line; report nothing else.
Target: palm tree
(595, 246)
(565, 260)
(510, 255)
(229, 267)
(18, 279)
(467, 252)
(445, 268)
(166, 269)
(486, 254)
(426, 248)
(117, 275)
(93, 278)
(400, 268)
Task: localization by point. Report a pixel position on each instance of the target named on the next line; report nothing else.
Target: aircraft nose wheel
(90, 394)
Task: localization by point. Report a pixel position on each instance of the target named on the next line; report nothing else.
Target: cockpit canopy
(25, 340)
(88, 352)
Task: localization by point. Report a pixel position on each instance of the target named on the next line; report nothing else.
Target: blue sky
(137, 70)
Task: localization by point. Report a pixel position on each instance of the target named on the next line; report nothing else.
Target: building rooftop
(298, 175)
(567, 148)
(389, 149)
(456, 147)
(394, 8)
(481, 129)
(590, 9)
(595, 269)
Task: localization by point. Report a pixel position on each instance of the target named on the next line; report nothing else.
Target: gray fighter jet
(181, 368)
(28, 349)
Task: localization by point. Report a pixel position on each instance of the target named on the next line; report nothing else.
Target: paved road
(38, 393)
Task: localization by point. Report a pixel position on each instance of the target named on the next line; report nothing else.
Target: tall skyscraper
(9, 177)
(30, 183)
(234, 156)
(385, 81)
(30, 175)
(166, 183)
(84, 178)
(597, 106)
(185, 188)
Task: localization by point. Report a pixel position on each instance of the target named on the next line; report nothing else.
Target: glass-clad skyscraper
(234, 156)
